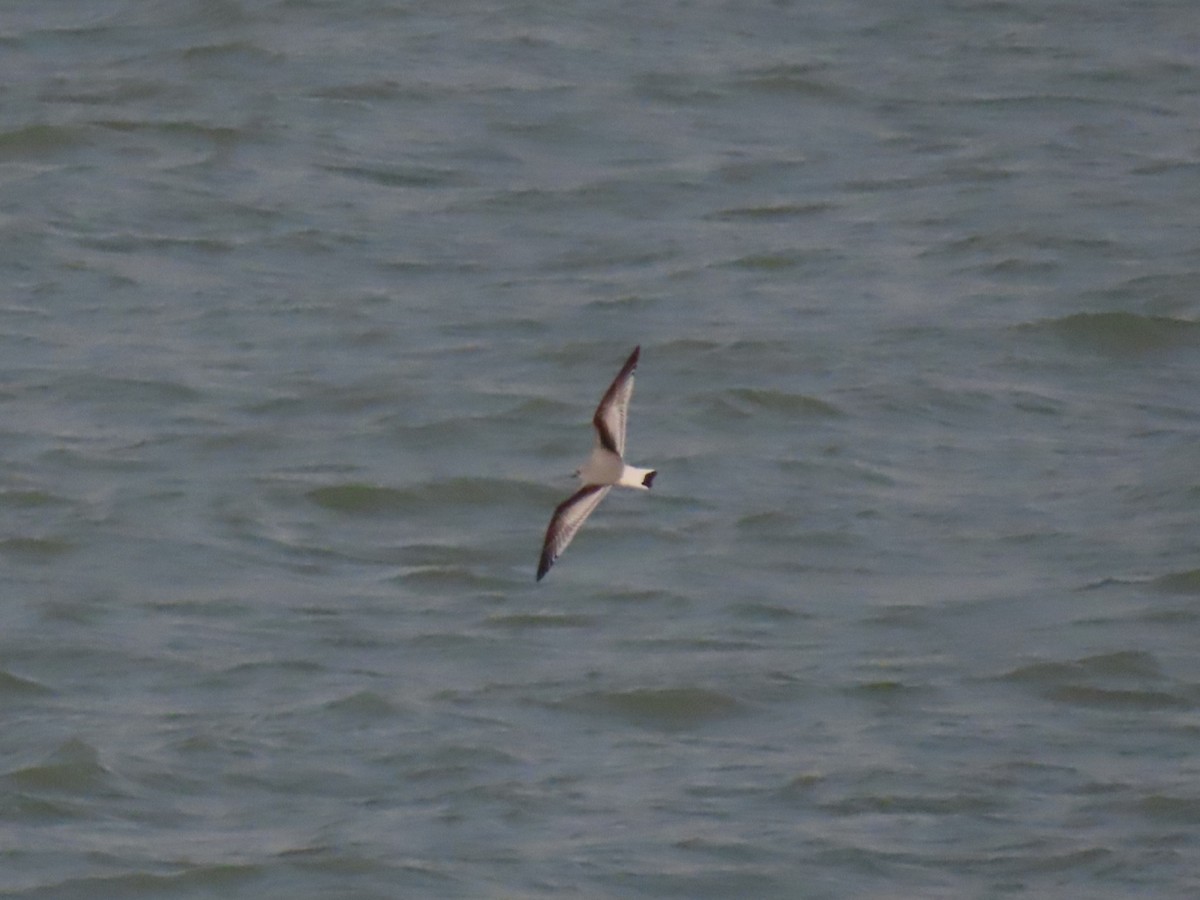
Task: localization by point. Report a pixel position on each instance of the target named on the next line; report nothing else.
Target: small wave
(1125, 663)
(659, 707)
(1169, 809)
(73, 768)
(767, 523)
(913, 804)
(772, 212)
(803, 79)
(657, 645)
(672, 88)
(365, 704)
(1187, 582)
(463, 577)
(227, 52)
(529, 621)
(210, 880)
(176, 128)
(1085, 695)
(131, 242)
(30, 499)
(623, 302)
(290, 667)
(1041, 861)
(420, 556)
(38, 143)
(1160, 291)
(382, 89)
(448, 758)
(1120, 333)
(1113, 581)
(358, 498)
(686, 348)
(884, 689)
(115, 390)
(14, 686)
(35, 549)
(779, 260)
(746, 402)
(1129, 679)
(403, 176)
(901, 615)
(762, 611)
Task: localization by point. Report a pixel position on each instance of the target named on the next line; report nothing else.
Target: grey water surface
(306, 306)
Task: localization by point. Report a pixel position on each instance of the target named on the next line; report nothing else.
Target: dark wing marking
(609, 418)
(568, 518)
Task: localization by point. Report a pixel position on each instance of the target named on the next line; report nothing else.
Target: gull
(604, 468)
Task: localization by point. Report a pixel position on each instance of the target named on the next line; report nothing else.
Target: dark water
(306, 309)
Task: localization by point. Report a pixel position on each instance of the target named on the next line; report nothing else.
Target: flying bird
(604, 468)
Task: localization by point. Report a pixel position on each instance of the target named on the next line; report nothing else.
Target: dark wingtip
(543, 567)
(649, 479)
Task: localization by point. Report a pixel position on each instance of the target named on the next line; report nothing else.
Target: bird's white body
(604, 467)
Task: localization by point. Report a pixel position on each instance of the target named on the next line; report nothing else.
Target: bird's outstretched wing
(610, 415)
(568, 518)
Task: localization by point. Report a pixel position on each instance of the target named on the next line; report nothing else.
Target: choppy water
(306, 309)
